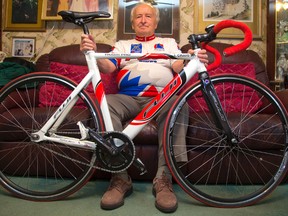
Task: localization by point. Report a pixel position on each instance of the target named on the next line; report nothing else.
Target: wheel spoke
(219, 172)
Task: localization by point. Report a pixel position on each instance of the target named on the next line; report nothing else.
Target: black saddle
(83, 17)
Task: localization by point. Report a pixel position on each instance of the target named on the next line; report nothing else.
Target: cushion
(76, 73)
(245, 69)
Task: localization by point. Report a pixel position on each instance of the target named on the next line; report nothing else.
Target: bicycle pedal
(140, 166)
(83, 131)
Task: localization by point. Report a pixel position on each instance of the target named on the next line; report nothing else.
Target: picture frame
(52, 7)
(23, 47)
(168, 25)
(206, 14)
(21, 17)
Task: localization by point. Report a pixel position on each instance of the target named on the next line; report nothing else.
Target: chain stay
(91, 165)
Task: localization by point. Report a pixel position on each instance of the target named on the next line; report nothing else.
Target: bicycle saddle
(83, 17)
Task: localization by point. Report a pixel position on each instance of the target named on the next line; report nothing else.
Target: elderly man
(139, 82)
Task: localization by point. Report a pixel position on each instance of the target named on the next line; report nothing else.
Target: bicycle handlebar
(234, 24)
(248, 36)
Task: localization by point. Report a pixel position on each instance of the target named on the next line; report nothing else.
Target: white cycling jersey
(144, 78)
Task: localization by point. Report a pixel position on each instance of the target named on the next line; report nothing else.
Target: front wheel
(43, 170)
(217, 171)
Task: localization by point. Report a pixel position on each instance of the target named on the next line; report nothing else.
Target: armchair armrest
(283, 96)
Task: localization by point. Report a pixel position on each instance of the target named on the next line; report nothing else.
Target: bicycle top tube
(141, 56)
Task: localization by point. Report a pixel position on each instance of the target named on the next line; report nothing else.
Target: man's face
(144, 21)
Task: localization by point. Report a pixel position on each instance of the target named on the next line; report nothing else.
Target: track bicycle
(61, 150)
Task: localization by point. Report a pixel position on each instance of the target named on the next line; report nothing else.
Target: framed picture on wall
(23, 16)
(52, 7)
(211, 12)
(168, 25)
(23, 47)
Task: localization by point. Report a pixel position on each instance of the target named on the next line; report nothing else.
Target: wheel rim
(43, 170)
(220, 174)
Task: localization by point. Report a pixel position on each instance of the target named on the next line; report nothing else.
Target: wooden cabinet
(277, 42)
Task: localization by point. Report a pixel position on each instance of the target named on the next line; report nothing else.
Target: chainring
(121, 161)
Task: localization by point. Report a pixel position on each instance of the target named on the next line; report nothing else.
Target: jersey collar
(142, 39)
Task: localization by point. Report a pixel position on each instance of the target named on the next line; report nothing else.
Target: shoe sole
(166, 210)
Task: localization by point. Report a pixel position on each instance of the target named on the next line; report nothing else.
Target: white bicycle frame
(142, 119)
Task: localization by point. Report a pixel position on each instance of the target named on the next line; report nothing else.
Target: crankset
(119, 161)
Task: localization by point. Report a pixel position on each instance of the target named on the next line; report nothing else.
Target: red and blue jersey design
(144, 78)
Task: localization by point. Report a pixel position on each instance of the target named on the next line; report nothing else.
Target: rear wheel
(218, 171)
(44, 170)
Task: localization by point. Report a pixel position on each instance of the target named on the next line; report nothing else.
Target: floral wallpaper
(60, 33)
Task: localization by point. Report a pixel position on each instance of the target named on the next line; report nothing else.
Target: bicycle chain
(86, 164)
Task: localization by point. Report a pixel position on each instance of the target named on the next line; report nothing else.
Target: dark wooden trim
(271, 46)
(1, 24)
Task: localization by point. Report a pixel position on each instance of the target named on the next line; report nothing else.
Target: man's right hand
(87, 43)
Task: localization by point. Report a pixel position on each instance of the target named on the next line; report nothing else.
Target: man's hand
(201, 54)
(87, 43)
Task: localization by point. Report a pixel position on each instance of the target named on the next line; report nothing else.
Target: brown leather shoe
(166, 200)
(117, 191)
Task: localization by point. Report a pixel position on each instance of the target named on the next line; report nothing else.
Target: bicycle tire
(218, 174)
(43, 171)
